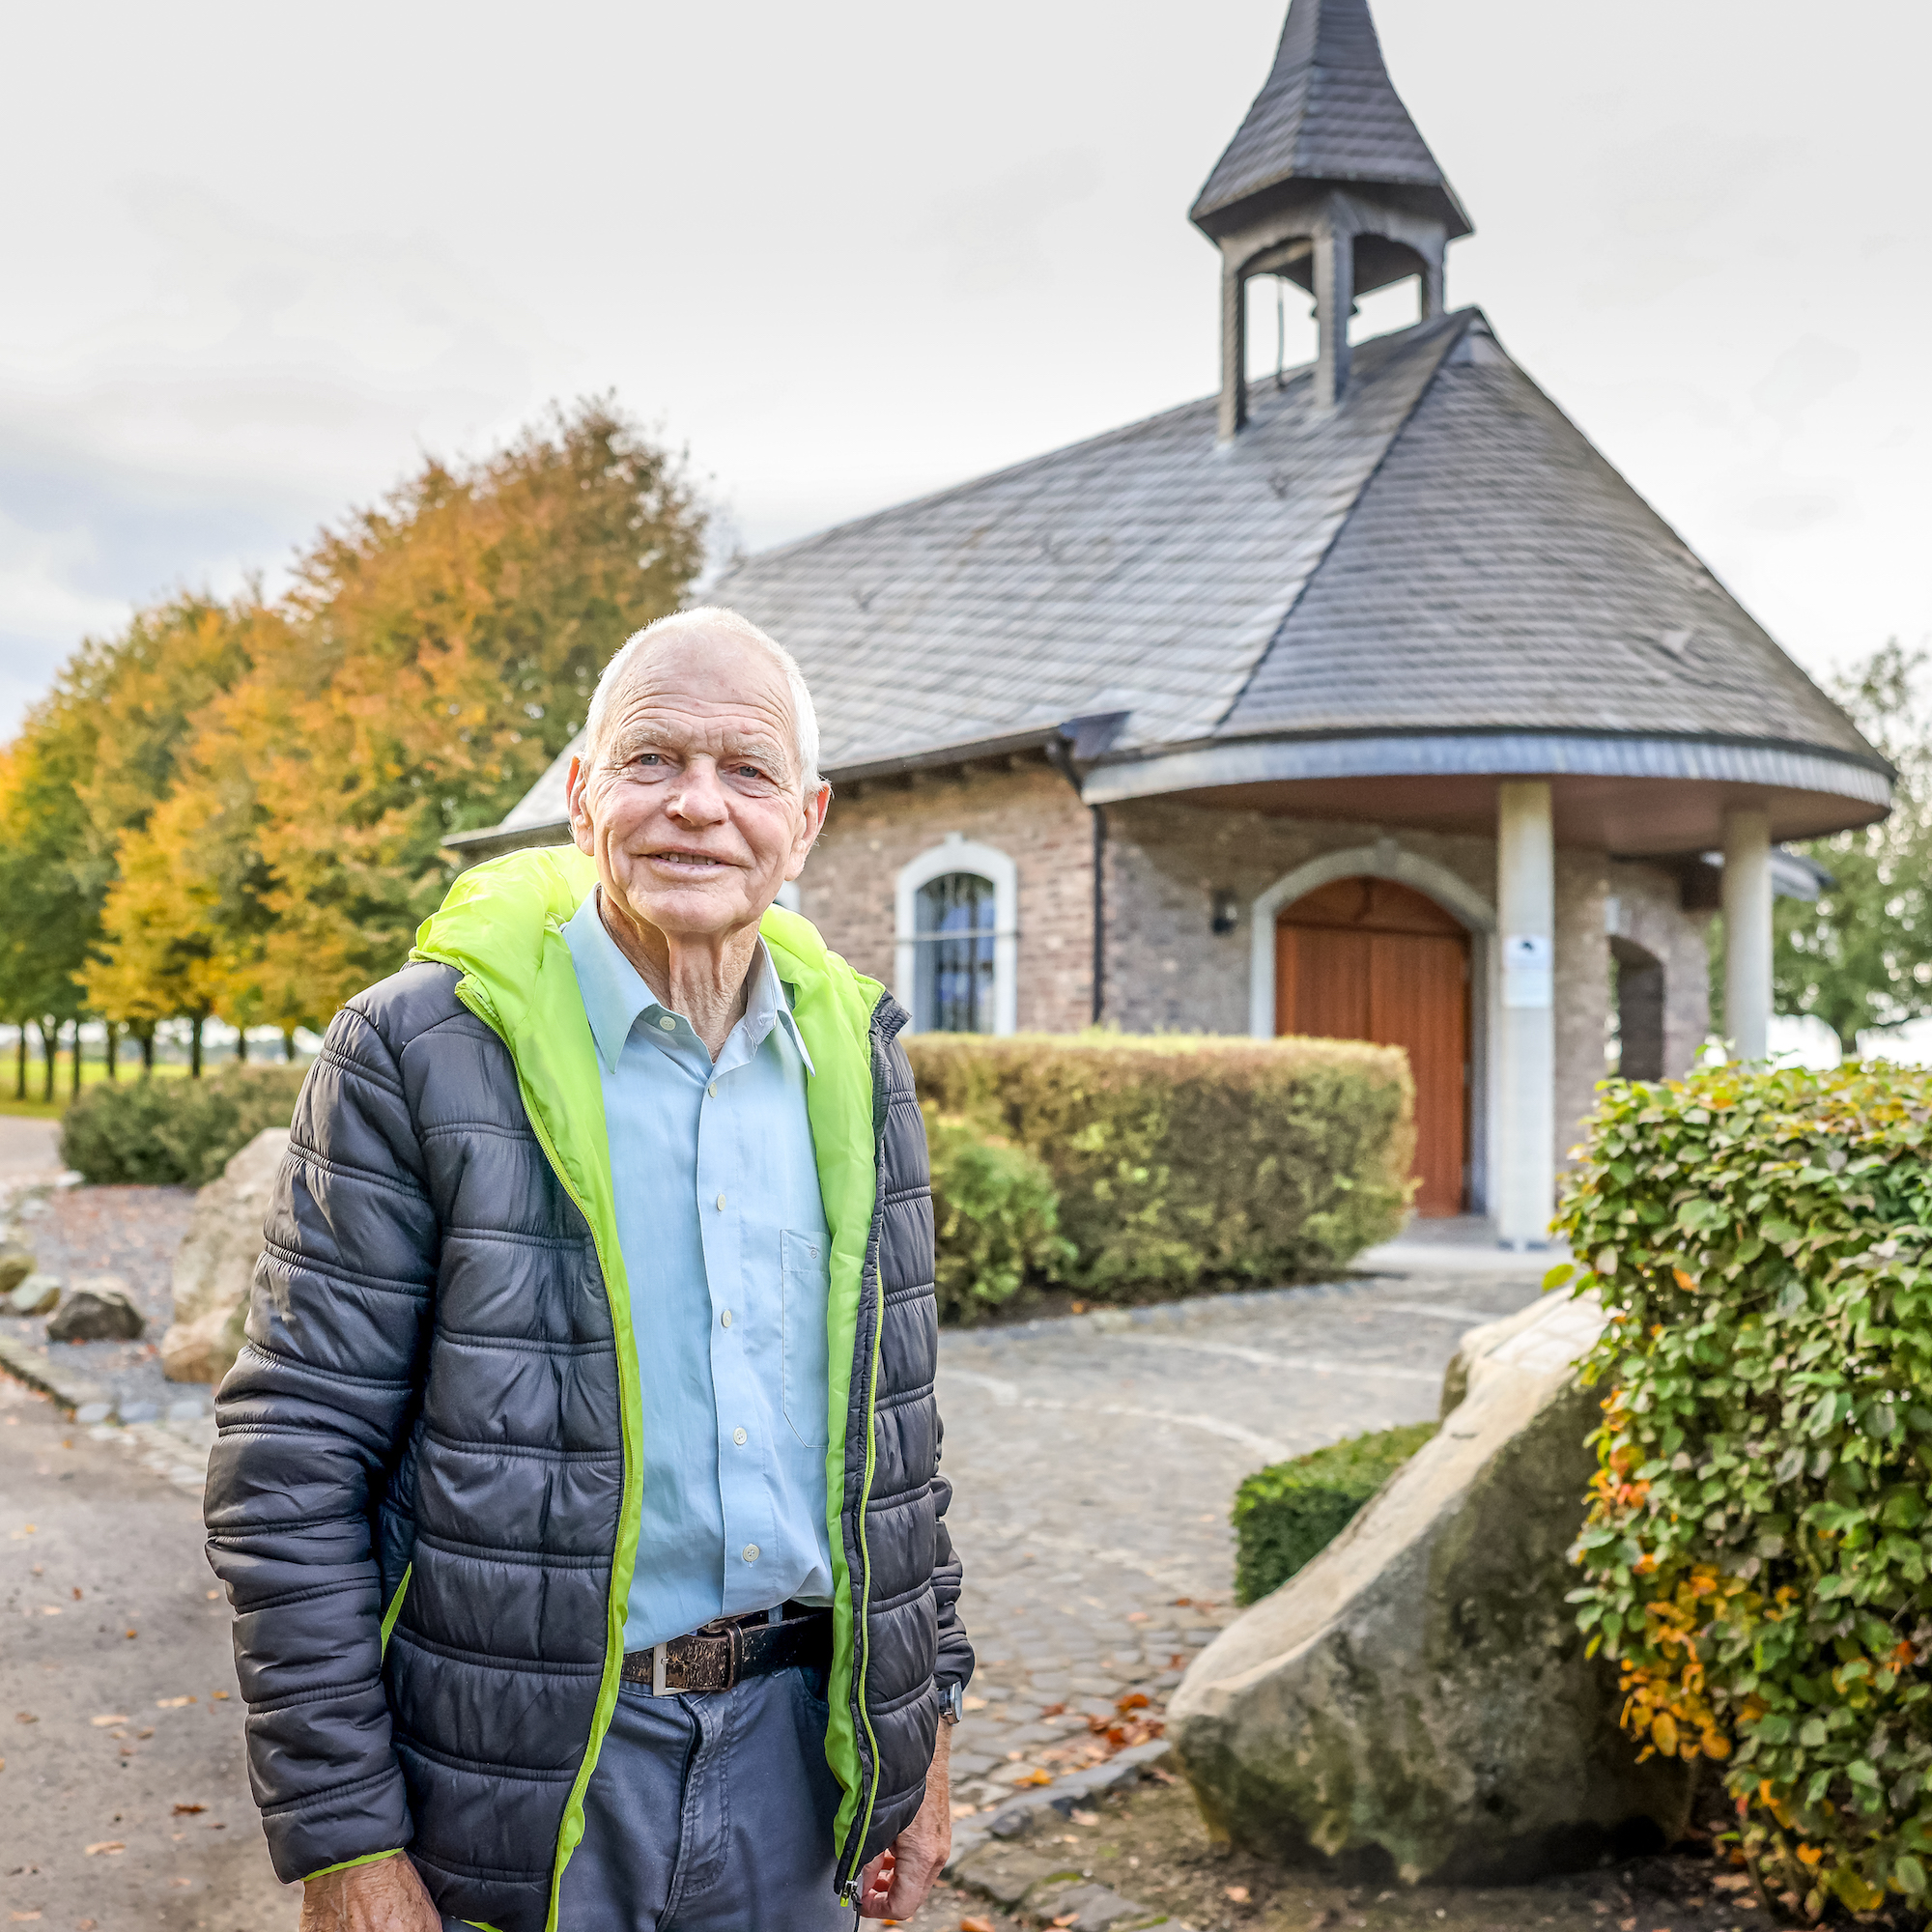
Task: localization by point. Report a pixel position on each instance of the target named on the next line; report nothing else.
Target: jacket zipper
(862, 1618)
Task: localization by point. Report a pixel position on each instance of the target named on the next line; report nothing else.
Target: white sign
(1530, 969)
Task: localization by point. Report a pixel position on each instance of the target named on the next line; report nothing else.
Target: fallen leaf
(22, 1915)
(171, 1703)
(50, 1609)
(130, 1632)
(1053, 1710)
(145, 1731)
(1237, 1894)
(77, 1593)
(185, 1811)
(1140, 1616)
(1135, 1700)
(1067, 1918)
(25, 1718)
(183, 1883)
(212, 1594)
(107, 1718)
(85, 1925)
(217, 1696)
(976, 1925)
(108, 1847)
(1035, 1778)
(1085, 1817)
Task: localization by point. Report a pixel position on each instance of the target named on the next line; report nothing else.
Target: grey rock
(1006, 1873)
(190, 1410)
(1417, 1698)
(91, 1413)
(1094, 1908)
(140, 1411)
(38, 1295)
(216, 1265)
(96, 1309)
(17, 1264)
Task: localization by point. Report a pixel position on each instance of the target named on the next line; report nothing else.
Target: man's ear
(811, 822)
(577, 808)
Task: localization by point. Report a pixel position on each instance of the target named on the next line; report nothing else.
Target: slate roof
(1444, 552)
(1327, 112)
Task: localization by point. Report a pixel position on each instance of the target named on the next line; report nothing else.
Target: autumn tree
(444, 648)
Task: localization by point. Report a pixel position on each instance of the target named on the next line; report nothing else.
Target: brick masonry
(1167, 970)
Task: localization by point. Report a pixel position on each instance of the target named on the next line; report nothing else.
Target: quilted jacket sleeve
(955, 1664)
(311, 1420)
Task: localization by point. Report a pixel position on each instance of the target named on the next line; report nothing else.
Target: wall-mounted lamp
(1227, 912)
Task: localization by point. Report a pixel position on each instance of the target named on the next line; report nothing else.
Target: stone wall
(1031, 814)
(1167, 970)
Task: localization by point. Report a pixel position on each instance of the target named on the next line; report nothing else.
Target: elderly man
(576, 1491)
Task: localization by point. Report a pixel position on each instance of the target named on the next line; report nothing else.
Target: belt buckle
(660, 1669)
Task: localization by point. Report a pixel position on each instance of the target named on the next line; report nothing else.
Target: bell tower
(1328, 184)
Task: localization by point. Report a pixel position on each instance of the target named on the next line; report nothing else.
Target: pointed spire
(1328, 113)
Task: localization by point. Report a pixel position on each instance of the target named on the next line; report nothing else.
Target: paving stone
(1093, 1907)
(1006, 1873)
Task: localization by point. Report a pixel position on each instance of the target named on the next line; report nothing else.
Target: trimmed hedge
(1759, 1544)
(164, 1132)
(1287, 1514)
(1181, 1159)
(996, 1216)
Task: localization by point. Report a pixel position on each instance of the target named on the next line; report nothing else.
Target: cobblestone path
(1094, 1461)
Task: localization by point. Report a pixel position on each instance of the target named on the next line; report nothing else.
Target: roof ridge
(1099, 440)
(1464, 318)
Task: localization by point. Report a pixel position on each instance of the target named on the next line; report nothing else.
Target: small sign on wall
(1530, 969)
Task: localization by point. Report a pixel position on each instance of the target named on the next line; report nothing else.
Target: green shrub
(1758, 1540)
(1179, 1160)
(996, 1217)
(1286, 1515)
(174, 1131)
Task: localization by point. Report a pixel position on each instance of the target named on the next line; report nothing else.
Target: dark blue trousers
(710, 1812)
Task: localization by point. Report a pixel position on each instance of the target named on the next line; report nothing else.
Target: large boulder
(216, 1264)
(1416, 1703)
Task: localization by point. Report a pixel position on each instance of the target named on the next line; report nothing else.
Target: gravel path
(1093, 1462)
(130, 1232)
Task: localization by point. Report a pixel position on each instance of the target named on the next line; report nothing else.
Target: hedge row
(1287, 1514)
(164, 1132)
(1759, 1543)
(1180, 1161)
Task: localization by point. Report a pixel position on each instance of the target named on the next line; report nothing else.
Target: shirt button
(725, 1318)
(750, 1552)
(668, 1024)
(738, 1436)
(712, 1090)
(721, 1203)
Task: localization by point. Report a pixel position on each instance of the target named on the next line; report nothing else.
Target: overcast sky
(255, 261)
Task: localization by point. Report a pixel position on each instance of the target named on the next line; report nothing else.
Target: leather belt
(730, 1649)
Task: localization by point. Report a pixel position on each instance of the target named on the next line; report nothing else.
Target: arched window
(958, 938)
(954, 923)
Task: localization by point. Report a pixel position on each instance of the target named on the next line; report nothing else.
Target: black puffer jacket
(417, 1495)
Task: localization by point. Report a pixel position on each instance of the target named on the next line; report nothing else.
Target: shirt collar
(615, 992)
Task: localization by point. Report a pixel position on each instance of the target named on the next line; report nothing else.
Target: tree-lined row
(235, 809)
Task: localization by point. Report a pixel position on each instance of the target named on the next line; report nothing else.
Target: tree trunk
(74, 1084)
(289, 1044)
(241, 1046)
(49, 1045)
(20, 1064)
(147, 1052)
(113, 1049)
(194, 1049)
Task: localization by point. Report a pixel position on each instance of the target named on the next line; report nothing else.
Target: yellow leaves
(1664, 1733)
(1809, 1854)
(1686, 1282)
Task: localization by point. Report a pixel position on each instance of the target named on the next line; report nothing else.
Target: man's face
(693, 810)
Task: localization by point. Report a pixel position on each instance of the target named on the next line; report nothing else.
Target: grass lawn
(92, 1071)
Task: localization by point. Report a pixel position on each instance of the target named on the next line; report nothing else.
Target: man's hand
(386, 1896)
(894, 1885)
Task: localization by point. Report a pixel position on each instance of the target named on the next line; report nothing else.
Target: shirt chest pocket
(807, 1273)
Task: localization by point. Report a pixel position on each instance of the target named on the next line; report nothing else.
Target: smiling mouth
(695, 864)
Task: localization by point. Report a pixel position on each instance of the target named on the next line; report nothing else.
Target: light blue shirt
(722, 1233)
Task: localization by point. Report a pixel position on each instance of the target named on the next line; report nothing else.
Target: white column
(1747, 932)
(1523, 1186)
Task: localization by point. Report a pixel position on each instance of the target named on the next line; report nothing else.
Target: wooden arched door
(1369, 959)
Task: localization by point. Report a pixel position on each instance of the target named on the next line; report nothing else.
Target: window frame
(956, 853)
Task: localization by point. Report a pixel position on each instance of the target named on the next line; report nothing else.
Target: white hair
(712, 620)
